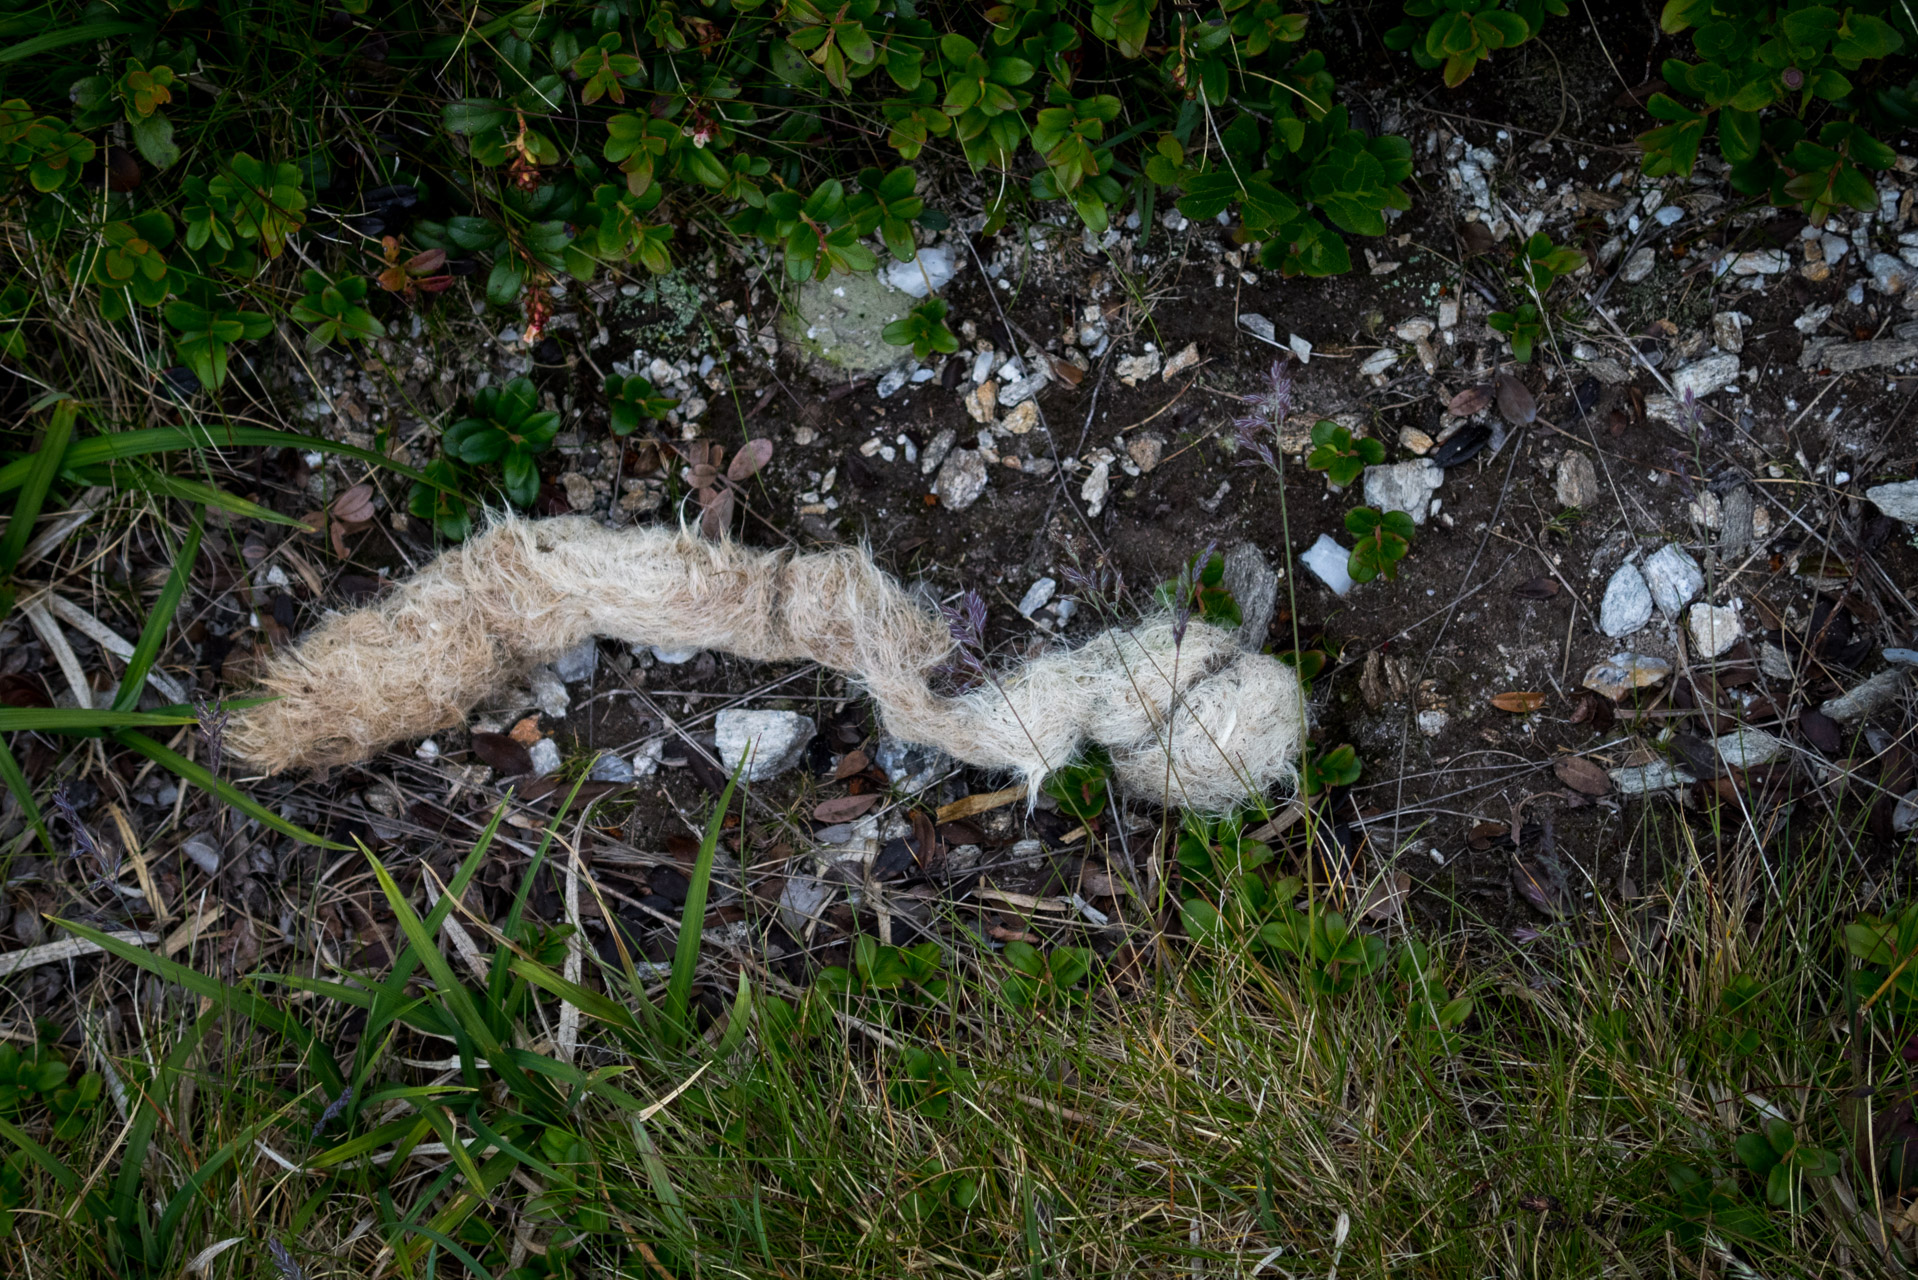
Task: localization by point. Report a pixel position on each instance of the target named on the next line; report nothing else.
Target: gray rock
(1259, 327)
(1703, 377)
(935, 452)
(203, 852)
(1714, 629)
(1037, 596)
(1674, 578)
(890, 383)
(1903, 657)
(1775, 662)
(774, 739)
(1904, 816)
(1899, 501)
(1849, 357)
(1017, 393)
(1748, 748)
(1871, 696)
(1659, 775)
(1255, 585)
(1621, 673)
(934, 265)
(1889, 276)
(837, 322)
(674, 657)
(1760, 262)
(549, 692)
(801, 901)
(1404, 486)
(910, 766)
(1576, 482)
(611, 768)
(1728, 331)
(545, 757)
(578, 663)
(1638, 266)
(961, 480)
(1627, 605)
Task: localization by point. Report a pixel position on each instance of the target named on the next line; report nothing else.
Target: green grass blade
(692, 920)
(590, 1003)
(245, 1003)
(38, 471)
(153, 634)
(10, 773)
(135, 444)
(190, 1189)
(179, 765)
(72, 35)
(159, 483)
(76, 720)
(68, 1180)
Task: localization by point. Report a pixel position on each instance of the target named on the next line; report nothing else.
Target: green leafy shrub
(1080, 788)
(1041, 980)
(923, 329)
(1761, 71)
(631, 401)
(440, 502)
(1333, 767)
(331, 311)
(1525, 327)
(1342, 458)
(508, 427)
(1200, 589)
(915, 972)
(1464, 33)
(1332, 956)
(1432, 1016)
(1384, 539)
(39, 1077)
(1774, 1154)
(1214, 853)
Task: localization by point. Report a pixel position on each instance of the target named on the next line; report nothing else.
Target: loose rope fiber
(1196, 722)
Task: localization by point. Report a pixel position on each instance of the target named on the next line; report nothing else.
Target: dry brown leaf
(502, 755)
(1582, 775)
(1537, 589)
(1384, 899)
(752, 455)
(845, 808)
(1519, 703)
(1066, 371)
(850, 763)
(982, 802)
(1515, 402)
(716, 512)
(1469, 401)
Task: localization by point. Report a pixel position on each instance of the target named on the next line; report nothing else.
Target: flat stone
(1378, 362)
(1404, 486)
(1775, 662)
(549, 692)
(1673, 577)
(1327, 559)
(1037, 596)
(838, 323)
(1871, 696)
(1017, 393)
(1259, 327)
(1703, 377)
(1899, 501)
(1714, 629)
(1621, 673)
(1903, 657)
(1097, 484)
(1416, 442)
(961, 480)
(1146, 450)
(1748, 748)
(545, 757)
(1178, 364)
(1132, 370)
(801, 901)
(1760, 262)
(1849, 357)
(1638, 266)
(611, 768)
(935, 265)
(1576, 482)
(982, 402)
(1728, 331)
(1432, 723)
(1023, 418)
(578, 663)
(1889, 275)
(775, 739)
(1627, 605)
(1659, 775)
(1255, 585)
(1414, 329)
(935, 452)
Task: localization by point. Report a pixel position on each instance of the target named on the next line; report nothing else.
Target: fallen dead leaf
(1540, 887)
(1469, 401)
(1537, 589)
(502, 755)
(1384, 899)
(850, 763)
(982, 802)
(1582, 775)
(752, 455)
(354, 505)
(1515, 402)
(1519, 703)
(1066, 371)
(845, 808)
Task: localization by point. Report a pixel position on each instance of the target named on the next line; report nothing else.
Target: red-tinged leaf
(753, 455)
(716, 512)
(1484, 833)
(355, 505)
(1519, 703)
(1582, 775)
(426, 263)
(702, 475)
(850, 763)
(845, 808)
(1469, 401)
(1515, 402)
(1821, 731)
(1537, 589)
(502, 755)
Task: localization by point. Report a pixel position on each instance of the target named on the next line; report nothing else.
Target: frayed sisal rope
(525, 591)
